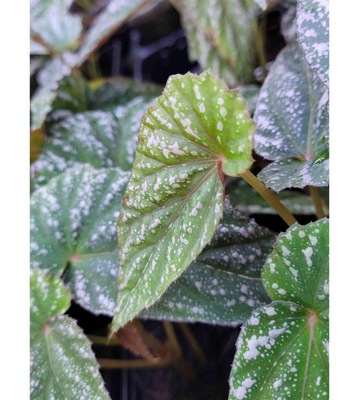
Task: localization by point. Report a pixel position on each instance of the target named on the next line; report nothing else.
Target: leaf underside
(282, 351)
(174, 199)
(292, 130)
(73, 233)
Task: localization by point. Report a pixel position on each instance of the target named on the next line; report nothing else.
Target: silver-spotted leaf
(313, 35)
(59, 29)
(297, 270)
(73, 233)
(223, 285)
(292, 124)
(49, 79)
(221, 36)
(62, 364)
(174, 199)
(48, 298)
(116, 13)
(120, 91)
(73, 94)
(282, 351)
(101, 138)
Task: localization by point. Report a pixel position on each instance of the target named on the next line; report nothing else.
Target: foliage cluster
(141, 195)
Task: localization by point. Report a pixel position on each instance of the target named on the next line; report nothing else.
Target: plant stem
(103, 340)
(171, 334)
(118, 364)
(193, 342)
(317, 201)
(269, 196)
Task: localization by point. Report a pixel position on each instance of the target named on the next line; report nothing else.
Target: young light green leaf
(223, 285)
(73, 233)
(282, 351)
(111, 19)
(102, 139)
(246, 200)
(59, 29)
(174, 200)
(292, 124)
(313, 35)
(221, 36)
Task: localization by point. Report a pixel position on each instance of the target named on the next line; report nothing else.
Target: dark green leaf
(62, 364)
(282, 351)
(99, 138)
(221, 36)
(292, 124)
(298, 268)
(48, 298)
(223, 285)
(73, 232)
(313, 35)
(109, 21)
(49, 79)
(115, 92)
(247, 200)
(59, 29)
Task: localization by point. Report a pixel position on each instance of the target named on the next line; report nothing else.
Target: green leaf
(174, 200)
(292, 124)
(49, 79)
(73, 94)
(246, 200)
(298, 268)
(116, 14)
(48, 298)
(221, 36)
(313, 35)
(99, 138)
(223, 285)
(282, 351)
(58, 28)
(250, 93)
(73, 233)
(120, 91)
(62, 364)
(287, 23)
